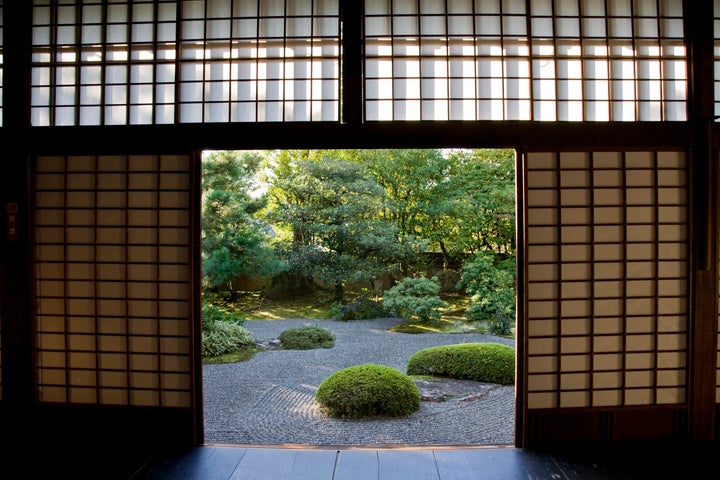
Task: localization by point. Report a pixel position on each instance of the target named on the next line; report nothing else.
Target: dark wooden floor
(504, 463)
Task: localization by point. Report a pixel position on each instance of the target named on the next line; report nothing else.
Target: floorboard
(407, 465)
(502, 463)
(314, 465)
(220, 465)
(639, 464)
(455, 464)
(357, 465)
(180, 465)
(265, 464)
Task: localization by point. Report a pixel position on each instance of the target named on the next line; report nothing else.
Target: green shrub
(362, 308)
(481, 362)
(220, 337)
(490, 284)
(368, 390)
(211, 313)
(222, 331)
(500, 325)
(306, 338)
(415, 299)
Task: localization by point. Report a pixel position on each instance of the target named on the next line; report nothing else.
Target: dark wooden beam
(552, 136)
(702, 339)
(15, 204)
(351, 81)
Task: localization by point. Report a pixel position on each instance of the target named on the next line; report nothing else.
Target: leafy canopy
(332, 207)
(234, 241)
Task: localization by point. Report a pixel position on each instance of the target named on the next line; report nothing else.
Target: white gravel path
(268, 400)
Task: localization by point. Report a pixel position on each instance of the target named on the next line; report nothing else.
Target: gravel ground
(268, 400)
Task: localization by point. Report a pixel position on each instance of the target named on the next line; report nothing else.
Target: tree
(473, 210)
(410, 178)
(234, 242)
(490, 283)
(332, 209)
(457, 202)
(415, 298)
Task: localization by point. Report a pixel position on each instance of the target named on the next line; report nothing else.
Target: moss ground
(317, 305)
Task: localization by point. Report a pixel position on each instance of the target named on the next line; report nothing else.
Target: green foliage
(342, 217)
(410, 178)
(333, 209)
(224, 337)
(501, 325)
(222, 331)
(490, 284)
(456, 202)
(212, 313)
(234, 241)
(306, 338)
(415, 299)
(368, 390)
(242, 355)
(361, 308)
(481, 362)
(476, 205)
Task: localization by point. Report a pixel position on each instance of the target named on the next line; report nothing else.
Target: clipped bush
(362, 308)
(306, 338)
(481, 362)
(415, 299)
(368, 390)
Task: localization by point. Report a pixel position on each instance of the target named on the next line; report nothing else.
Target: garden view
(427, 236)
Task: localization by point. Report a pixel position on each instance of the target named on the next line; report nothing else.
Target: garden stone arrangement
(452, 390)
(270, 399)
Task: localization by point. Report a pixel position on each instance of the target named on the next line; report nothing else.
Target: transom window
(496, 60)
(162, 62)
(201, 61)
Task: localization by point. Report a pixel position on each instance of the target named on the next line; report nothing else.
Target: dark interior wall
(15, 306)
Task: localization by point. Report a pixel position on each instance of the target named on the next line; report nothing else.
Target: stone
(440, 389)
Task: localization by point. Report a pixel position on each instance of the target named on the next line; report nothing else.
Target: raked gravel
(269, 399)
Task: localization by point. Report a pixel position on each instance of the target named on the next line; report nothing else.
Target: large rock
(440, 389)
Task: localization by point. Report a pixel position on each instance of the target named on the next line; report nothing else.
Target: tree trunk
(339, 292)
(445, 253)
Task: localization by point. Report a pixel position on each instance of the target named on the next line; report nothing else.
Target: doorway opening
(383, 254)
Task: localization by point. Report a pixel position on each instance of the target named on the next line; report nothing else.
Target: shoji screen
(113, 278)
(607, 274)
(613, 60)
(130, 62)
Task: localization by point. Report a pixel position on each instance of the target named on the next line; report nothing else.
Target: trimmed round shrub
(306, 338)
(481, 362)
(368, 390)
